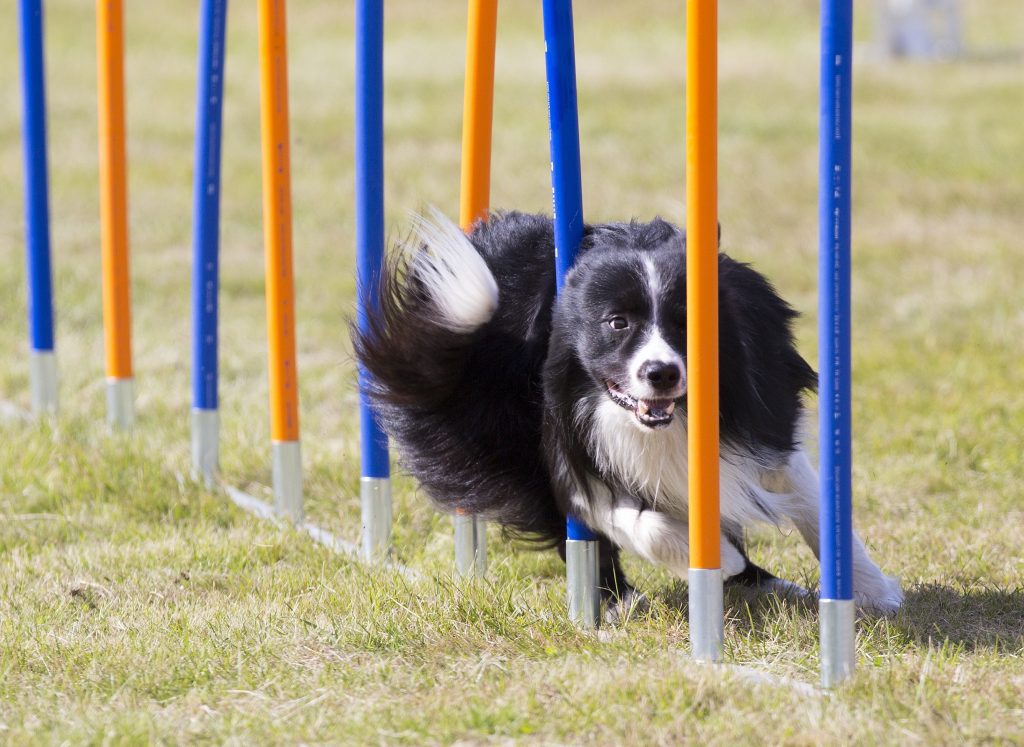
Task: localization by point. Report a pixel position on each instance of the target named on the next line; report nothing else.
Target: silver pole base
(707, 614)
(42, 376)
(286, 457)
(121, 403)
(205, 443)
(375, 496)
(470, 545)
(581, 572)
(838, 640)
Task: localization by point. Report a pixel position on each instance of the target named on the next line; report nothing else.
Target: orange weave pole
(277, 221)
(477, 112)
(702, 279)
(117, 323)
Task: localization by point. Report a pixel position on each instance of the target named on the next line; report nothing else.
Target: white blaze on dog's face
(630, 308)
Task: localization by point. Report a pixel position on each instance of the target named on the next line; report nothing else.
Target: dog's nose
(660, 375)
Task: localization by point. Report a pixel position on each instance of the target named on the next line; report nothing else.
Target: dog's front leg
(650, 534)
(653, 535)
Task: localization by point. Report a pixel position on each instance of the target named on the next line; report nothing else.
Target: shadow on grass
(973, 619)
(755, 607)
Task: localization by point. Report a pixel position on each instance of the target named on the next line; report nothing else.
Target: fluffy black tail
(459, 396)
(432, 301)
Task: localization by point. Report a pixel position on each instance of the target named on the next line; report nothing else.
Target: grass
(137, 606)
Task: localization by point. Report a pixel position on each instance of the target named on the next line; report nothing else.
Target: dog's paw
(632, 603)
(777, 587)
(882, 595)
(780, 587)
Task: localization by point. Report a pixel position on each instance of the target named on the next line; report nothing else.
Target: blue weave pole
(206, 235)
(566, 182)
(37, 208)
(369, 159)
(834, 340)
(206, 203)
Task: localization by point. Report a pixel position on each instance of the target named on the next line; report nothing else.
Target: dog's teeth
(642, 408)
(671, 407)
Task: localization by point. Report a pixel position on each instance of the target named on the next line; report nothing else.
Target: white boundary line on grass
(756, 676)
(10, 411)
(264, 510)
(743, 672)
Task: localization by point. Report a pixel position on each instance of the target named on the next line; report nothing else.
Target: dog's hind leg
(871, 588)
(623, 599)
(611, 578)
(758, 579)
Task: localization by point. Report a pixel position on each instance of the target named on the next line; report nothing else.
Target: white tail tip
(455, 276)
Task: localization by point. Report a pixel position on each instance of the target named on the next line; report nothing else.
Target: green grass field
(137, 606)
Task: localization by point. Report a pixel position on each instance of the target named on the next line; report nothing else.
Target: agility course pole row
(705, 576)
(836, 605)
(474, 202)
(262, 510)
(206, 238)
(375, 480)
(42, 356)
(287, 508)
(117, 325)
(280, 285)
(581, 548)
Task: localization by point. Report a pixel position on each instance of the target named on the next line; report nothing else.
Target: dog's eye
(618, 322)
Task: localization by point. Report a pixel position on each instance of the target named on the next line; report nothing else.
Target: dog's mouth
(652, 413)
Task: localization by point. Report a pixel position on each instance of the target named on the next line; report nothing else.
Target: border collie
(506, 402)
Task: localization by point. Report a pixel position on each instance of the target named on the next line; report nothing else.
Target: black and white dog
(508, 403)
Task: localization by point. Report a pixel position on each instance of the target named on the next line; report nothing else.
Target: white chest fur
(653, 464)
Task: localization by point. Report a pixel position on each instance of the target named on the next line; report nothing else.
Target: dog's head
(623, 313)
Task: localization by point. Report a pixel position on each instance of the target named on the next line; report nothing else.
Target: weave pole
(705, 576)
(375, 480)
(836, 605)
(475, 198)
(42, 357)
(206, 238)
(117, 325)
(280, 286)
(581, 547)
